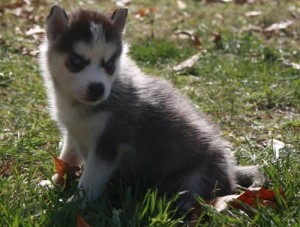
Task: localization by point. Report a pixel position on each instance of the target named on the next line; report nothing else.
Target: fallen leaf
(254, 196)
(34, 53)
(183, 34)
(13, 5)
(278, 26)
(81, 222)
(187, 63)
(61, 169)
(66, 173)
(252, 28)
(36, 29)
(123, 3)
(181, 5)
(194, 38)
(6, 168)
(152, 9)
(221, 203)
(217, 39)
(253, 13)
(292, 64)
(276, 144)
(250, 198)
(142, 12)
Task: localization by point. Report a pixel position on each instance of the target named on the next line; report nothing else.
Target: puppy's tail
(250, 176)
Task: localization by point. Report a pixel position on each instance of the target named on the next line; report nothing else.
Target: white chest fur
(84, 129)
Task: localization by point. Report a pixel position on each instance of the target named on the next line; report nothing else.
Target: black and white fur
(116, 120)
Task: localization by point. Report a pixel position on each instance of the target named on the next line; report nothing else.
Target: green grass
(242, 83)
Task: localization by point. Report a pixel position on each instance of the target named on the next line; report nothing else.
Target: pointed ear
(57, 22)
(118, 18)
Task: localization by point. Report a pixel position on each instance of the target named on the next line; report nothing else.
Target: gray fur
(149, 130)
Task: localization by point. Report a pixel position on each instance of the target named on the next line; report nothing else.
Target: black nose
(95, 91)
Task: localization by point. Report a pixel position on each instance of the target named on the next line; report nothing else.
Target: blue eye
(76, 63)
(110, 66)
(76, 60)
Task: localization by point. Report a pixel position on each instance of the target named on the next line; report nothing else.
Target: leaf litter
(246, 202)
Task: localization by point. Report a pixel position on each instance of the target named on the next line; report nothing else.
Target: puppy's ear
(118, 18)
(57, 22)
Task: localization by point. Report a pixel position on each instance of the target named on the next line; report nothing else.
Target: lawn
(247, 79)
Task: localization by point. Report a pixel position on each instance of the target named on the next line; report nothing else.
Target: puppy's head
(83, 52)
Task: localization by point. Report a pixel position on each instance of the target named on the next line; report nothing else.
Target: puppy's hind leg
(205, 183)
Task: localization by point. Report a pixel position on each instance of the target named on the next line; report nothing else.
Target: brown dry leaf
(6, 168)
(187, 63)
(81, 222)
(251, 197)
(196, 41)
(13, 5)
(217, 38)
(278, 26)
(183, 34)
(194, 38)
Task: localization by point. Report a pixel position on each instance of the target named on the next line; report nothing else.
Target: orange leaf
(81, 222)
(142, 12)
(63, 169)
(152, 9)
(60, 166)
(251, 197)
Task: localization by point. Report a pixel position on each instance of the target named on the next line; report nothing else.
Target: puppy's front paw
(50, 184)
(46, 184)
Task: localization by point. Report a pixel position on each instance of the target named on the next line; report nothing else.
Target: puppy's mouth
(91, 102)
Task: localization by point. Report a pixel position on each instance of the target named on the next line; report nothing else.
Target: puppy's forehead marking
(97, 31)
(95, 51)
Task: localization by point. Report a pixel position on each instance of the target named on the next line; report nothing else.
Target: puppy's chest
(88, 131)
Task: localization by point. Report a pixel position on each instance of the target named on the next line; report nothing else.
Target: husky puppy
(117, 120)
